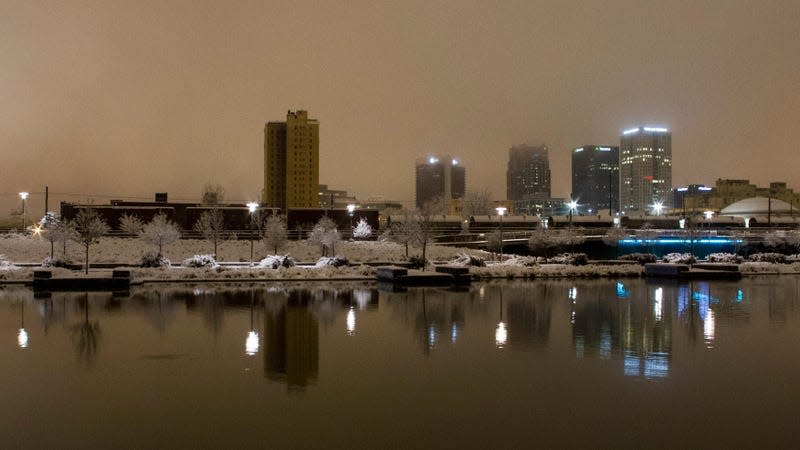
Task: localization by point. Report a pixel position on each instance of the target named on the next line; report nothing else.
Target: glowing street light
(23, 196)
(658, 207)
(573, 207)
(351, 208)
(501, 211)
(252, 207)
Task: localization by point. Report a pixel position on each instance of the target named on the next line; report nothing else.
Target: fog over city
(120, 99)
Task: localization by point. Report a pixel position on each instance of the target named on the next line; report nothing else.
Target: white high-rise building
(645, 169)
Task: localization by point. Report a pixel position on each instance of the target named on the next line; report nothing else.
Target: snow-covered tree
(326, 235)
(613, 236)
(542, 239)
(494, 242)
(211, 225)
(131, 224)
(422, 233)
(160, 232)
(476, 203)
(274, 233)
(49, 225)
(362, 230)
(404, 230)
(89, 226)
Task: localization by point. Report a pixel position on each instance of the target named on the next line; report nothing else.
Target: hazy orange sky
(127, 98)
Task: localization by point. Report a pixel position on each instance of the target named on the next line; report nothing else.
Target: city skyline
(123, 99)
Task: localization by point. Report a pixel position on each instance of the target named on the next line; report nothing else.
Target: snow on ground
(21, 249)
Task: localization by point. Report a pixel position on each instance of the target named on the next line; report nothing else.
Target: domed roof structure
(756, 206)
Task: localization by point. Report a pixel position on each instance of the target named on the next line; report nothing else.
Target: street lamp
(23, 196)
(573, 205)
(501, 211)
(350, 210)
(658, 207)
(252, 207)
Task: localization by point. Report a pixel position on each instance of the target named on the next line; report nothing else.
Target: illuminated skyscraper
(595, 178)
(645, 168)
(439, 177)
(291, 162)
(528, 178)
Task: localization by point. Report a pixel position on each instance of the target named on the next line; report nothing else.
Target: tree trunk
(52, 245)
(87, 259)
(424, 248)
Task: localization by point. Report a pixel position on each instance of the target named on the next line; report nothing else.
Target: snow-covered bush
(200, 261)
(523, 261)
(151, 259)
(463, 259)
(57, 262)
(793, 258)
(362, 230)
(6, 264)
(335, 261)
(641, 258)
(728, 258)
(416, 262)
(573, 259)
(275, 261)
(775, 258)
(679, 258)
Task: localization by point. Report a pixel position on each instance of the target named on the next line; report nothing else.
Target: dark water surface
(596, 363)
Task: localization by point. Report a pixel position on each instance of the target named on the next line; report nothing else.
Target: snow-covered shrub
(463, 259)
(6, 264)
(335, 261)
(573, 259)
(679, 258)
(275, 261)
(775, 258)
(200, 261)
(416, 262)
(362, 230)
(728, 258)
(57, 262)
(793, 258)
(641, 258)
(523, 261)
(151, 259)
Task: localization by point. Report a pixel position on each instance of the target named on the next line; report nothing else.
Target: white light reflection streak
(708, 329)
(500, 335)
(658, 304)
(251, 344)
(351, 321)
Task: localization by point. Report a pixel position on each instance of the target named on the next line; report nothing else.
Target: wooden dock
(120, 280)
(695, 272)
(409, 277)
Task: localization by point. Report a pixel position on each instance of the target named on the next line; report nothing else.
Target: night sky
(126, 98)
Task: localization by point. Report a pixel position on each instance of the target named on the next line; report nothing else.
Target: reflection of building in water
(528, 313)
(438, 319)
(608, 323)
(291, 338)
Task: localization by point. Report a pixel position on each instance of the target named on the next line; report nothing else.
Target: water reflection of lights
(351, 321)
(432, 335)
(573, 293)
(251, 344)
(362, 297)
(652, 365)
(500, 335)
(658, 303)
(708, 328)
(622, 292)
(22, 338)
(453, 333)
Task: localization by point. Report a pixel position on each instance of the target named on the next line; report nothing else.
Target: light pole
(658, 207)
(501, 211)
(23, 196)
(572, 207)
(351, 208)
(252, 207)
